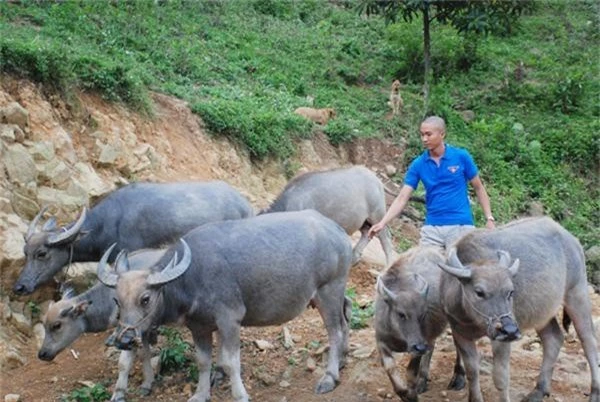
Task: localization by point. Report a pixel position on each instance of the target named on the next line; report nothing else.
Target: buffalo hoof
(457, 382)
(422, 385)
(145, 391)
(326, 384)
(409, 396)
(217, 377)
(535, 396)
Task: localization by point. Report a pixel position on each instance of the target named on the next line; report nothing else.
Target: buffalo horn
(104, 275)
(504, 258)
(172, 271)
(455, 267)
(69, 234)
(122, 262)
(34, 222)
(384, 291)
(422, 285)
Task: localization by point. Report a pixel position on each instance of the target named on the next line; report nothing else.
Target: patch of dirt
(362, 380)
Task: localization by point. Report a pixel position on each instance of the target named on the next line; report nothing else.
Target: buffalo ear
(80, 308)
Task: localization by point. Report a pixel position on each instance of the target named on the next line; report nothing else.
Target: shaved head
(435, 121)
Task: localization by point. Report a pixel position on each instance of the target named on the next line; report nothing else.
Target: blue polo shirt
(446, 197)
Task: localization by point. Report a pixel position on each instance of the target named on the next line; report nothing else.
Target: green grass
(244, 66)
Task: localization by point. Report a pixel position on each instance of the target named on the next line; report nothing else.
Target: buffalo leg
(362, 243)
(126, 359)
(578, 307)
(145, 354)
(332, 305)
(414, 380)
(501, 370)
(385, 238)
(458, 378)
(552, 340)
(229, 332)
(203, 343)
(470, 356)
(389, 365)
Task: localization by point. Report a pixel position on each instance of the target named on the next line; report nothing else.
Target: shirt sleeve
(412, 176)
(470, 167)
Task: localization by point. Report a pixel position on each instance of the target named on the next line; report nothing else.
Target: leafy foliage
(96, 393)
(245, 66)
(360, 314)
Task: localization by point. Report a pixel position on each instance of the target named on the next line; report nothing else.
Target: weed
(96, 393)
(360, 314)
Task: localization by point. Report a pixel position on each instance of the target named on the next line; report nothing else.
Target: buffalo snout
(419, 349)
(45, 355)
(507, 330)
(125, 340)
(20, 289)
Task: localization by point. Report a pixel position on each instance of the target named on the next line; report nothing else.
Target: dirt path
(282, 375)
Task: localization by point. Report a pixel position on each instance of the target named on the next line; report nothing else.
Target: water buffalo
(254, 272)
(96, 311)
(409, 318)
(140, 215)
(498, 282)
(353, 197)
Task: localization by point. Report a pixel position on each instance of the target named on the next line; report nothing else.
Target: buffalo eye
(55, 326)
(145, 299)
(480, 293)
(41, 254)
(402, 316)
(510, 295)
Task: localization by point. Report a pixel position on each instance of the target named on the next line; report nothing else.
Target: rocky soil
(67, 154)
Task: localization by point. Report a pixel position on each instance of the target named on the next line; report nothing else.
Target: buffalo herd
(196, 254)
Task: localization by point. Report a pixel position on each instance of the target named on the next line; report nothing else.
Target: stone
(12, 398)
(20, 166)
(38, 334)
(42, 151)
(263, 345)
(11, 133)
(311, 365)
(14, 113)
(23, 204)
(21, 323)
(390, 170)
(288, 342)
(363, 352)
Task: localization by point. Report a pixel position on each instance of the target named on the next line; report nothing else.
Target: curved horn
(172, 271)
(387, 294)
(455, 267)
(104, 275)
(422, 285)
(69, 234)
(122, 262)
(504, 258)
(34, 222)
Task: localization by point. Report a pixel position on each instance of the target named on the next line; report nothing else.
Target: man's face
(432, 135)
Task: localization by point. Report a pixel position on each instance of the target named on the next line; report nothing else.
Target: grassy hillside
(244, 66)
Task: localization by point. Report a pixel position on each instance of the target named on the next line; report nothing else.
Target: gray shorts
(443, 236)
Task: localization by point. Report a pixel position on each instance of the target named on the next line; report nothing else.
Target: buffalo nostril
(419, 348)
(19, 289)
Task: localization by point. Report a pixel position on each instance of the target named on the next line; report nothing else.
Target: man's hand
(375, 229)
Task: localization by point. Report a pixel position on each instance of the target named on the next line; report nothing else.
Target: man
(445, 172)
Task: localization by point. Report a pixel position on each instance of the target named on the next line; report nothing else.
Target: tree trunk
(426, 56)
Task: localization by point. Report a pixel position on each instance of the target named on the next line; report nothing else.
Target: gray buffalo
(95, 311)
(140, 215)
(499, 282)
(353, 197)
(253, 272)
(409, 318)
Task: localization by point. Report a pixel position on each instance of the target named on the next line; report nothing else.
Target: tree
(477, 16)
